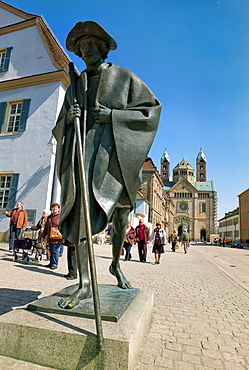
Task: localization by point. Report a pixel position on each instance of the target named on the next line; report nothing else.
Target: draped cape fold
(115, 152)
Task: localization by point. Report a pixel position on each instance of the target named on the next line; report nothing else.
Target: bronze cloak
(114, 159)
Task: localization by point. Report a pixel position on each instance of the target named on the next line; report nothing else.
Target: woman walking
(173, 239)
(40, 226)
(158, 238)
(130, 239)
(54, 237)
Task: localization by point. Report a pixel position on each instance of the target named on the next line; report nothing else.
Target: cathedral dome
(183, 165)
(183, 170)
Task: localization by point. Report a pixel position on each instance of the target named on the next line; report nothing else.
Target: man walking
(142, 237)
(18, 222)
(185, 239)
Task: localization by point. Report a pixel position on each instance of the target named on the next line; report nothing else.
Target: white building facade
(33, 81)
(229, 226)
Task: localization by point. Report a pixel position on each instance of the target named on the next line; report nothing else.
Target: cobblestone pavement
(201, 310)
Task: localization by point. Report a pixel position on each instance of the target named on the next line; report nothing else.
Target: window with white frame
(8, 189)
(5, 181)
(14, 115)
(13, 118)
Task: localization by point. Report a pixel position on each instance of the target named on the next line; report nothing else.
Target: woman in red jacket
(54, 237)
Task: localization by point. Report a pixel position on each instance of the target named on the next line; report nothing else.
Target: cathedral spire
(165, 156)
(165, 166)
(201, 155)
(201, 162)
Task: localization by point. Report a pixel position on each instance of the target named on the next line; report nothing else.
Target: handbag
(41, 245)
(176, 245)
(55, 233)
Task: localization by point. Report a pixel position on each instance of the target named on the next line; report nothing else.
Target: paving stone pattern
(201, 311)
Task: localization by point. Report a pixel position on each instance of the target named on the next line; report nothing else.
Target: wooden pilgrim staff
(81, 157)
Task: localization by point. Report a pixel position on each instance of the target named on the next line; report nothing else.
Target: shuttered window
(8, 190)
(14, 115)
(3, 106)
(5, 55)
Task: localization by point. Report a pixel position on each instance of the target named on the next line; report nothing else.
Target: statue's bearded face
(90, 51)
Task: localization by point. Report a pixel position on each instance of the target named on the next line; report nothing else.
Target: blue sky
(194, 55)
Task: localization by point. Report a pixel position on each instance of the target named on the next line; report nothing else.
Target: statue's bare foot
(122, 281)
(75, 298)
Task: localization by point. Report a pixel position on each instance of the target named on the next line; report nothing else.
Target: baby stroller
(24, 248)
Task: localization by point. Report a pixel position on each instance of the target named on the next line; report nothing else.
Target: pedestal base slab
(67, 342)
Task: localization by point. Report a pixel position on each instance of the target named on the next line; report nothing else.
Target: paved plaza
(201, 308)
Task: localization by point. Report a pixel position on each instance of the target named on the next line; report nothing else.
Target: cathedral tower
(201, 166)
(165, 166)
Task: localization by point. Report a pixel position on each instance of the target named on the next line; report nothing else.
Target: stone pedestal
(69, 342)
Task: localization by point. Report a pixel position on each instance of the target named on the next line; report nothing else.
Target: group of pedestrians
(175, 239)
(56, 242)
(49, 237)
(141, 236)
(51, 240)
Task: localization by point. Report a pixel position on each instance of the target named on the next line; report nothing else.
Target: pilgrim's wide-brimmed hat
(89, 28)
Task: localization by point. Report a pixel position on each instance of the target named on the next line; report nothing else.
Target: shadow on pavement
(32, 266)
(103, 257)
(11, 298)
(39, 269)
(121, 259)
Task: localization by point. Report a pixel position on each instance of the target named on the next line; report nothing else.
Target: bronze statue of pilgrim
(121, 115)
